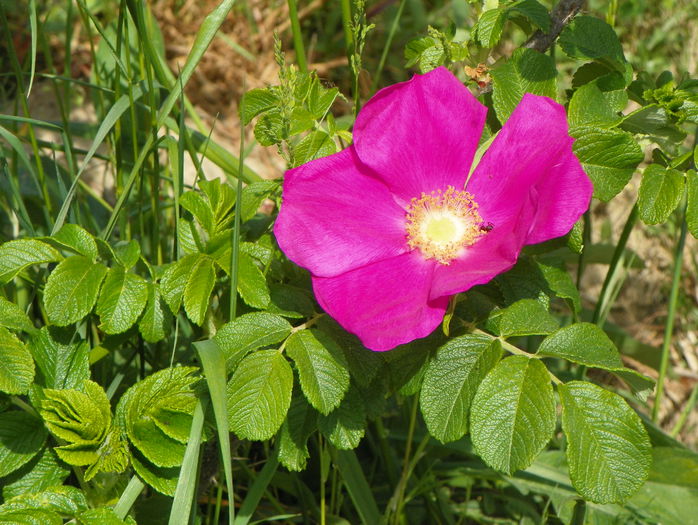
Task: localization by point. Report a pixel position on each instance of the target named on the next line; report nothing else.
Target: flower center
(441, 224)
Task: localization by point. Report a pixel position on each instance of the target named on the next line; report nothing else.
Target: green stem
(128, 497)
(297, 35)
(347, 23)
(602, 305)
(669, 327)
(235, 253)
(398, 498)
(690, 405)
(386, 47)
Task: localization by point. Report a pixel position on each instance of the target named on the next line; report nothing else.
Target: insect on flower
(389, 228)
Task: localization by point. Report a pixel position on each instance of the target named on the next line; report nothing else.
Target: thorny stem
(562, 14)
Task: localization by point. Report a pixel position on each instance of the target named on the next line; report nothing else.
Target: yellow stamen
(441, 224)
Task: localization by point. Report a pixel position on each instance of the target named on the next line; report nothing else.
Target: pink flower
(388, 231)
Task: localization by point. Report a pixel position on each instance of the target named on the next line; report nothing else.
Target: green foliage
(16, 364)
(512, 416)
(21, 438)
(660, 193)
(608, 451)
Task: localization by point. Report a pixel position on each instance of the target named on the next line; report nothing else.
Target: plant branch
(562, 14)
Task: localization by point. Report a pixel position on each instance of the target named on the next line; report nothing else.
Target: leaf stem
(671, 315)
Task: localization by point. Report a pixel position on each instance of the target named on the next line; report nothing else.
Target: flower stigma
(441, 224)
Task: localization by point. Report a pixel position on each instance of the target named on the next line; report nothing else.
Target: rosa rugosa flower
(391, 227)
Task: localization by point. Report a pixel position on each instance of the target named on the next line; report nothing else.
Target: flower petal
(335, 218)
(385, 303)
(420, 135)
(494, 253)
(532, 155)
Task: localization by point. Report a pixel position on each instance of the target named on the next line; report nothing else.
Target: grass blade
(357, 486)
(257, 491)
(128, 497)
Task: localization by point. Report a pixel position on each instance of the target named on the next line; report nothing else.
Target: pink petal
(385, 303)
(532, 156)
(335, 218)
(420, 135)
(494, 253)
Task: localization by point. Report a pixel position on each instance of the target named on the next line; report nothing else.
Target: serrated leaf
(16, 364)
(256, 101)
(102, 516)
(127, 253)
(587, 344)
(269, 129)
(560, 283)
(300, 423)
(17, 514)
(143, 407)
(162, 479)
(524, 317)
(661, 190)
(322, 370)
(43, 471)
(194, 203)
(512, 416)
(527, 71)
(535, 12)
(289, 301)
(21, 438)
(609, 157)
(61, 363)
(590, 106)
(345, 426)
(13, 317)
(320, 102)
(489, 27)
(112, 454)
(608, 450)
(155, 319)
(16, 255)
(587, 37)
(692, 202)
(78, 417)
(121, 300)
(175, 279)
(450, 382)
(77, 239)
(259, 394)
(72, 288)
(252, 285)
(221, 198)
(65, 500)
(426, 52)
(313, 146)
(250, 332)
(252, 197)
(197, 292)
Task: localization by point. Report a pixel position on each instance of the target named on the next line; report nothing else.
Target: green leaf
(590, 106)
(661, 191)
(300, 423)
(587, 344)
(16, 255)
(259, 395)
(127, 253)
(102, 516)
(77, 239)
(534, 11)
(524, 317)
(560, 282)
(194, 203)
(13, 317)
(43, 471)
(450, 382)
(18, 514)
(61, 363)
(252, 285)
(692, 202)
(427, 52)
(72, 288)
(609, 157)
(322, 370)
(16, 364)
(175, 279)
(252, 197)
(608, 450)
(313, 146)
(587, 37)
(512, 416)
(197, 292)
(121, 300)
(21, 438)
(162, 479)
(156, 414)
(67, 500)
(250, 332)
(155, 320)
(345, 425)
(489, 27)
(112, 454)
(75, 416)
(256, 101)
(269, 129)
(527, 71)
